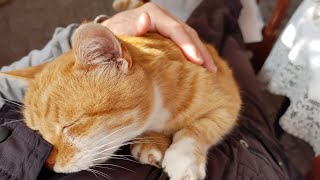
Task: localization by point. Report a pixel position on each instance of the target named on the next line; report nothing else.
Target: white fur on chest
(159, 115)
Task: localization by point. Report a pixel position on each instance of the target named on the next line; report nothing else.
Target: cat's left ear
(95, 45)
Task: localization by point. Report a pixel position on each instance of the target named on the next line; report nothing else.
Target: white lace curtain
(293, 70)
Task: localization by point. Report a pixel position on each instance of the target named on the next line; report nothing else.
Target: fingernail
(198, 58)
(193, 54)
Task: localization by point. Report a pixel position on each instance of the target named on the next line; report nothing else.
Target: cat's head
(89, 101)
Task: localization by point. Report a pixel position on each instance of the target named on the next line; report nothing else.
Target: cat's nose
(51, 160)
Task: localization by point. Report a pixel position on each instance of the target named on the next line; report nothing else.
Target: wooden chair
(314, 173)
(262, 49)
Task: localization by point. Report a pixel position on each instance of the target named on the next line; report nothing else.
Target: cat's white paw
(180, 162)
(147, 154)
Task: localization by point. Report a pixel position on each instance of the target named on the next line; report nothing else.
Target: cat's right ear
(95, 46)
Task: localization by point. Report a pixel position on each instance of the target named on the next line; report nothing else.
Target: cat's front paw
(147, 154)
(181, 162)
(150, 148)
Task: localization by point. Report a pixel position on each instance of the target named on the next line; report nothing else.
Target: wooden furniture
(262, 49)
(314, 173)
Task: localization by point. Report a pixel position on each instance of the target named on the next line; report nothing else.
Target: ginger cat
(109, 90)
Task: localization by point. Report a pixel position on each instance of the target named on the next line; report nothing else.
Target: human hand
(151, 18)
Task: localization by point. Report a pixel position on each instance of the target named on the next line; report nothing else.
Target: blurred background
(26, 25)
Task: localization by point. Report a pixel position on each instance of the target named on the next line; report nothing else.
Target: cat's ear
(95, 45)
(26, 74)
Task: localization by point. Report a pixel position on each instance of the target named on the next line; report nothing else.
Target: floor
(26, 25)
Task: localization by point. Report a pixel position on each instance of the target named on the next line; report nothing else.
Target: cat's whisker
(105, 150)
(139, 138)
(116, 155)
(126, 159)
(120, 158)
(90, 170)
(14, 121)
(100, 173)
(120, 139)
(123, 128)
(113, 141)
(134, 141)
(114, 165)
(117, 131)
(147, 142)
(128, 135)
(12, 102)
(96, 148)
(15, 109)
(104, 167)
(128, 143)
(114, 132)
(112, 155)
(15, 106)
(90, 153)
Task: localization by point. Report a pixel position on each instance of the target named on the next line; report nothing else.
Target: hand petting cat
(151, 18)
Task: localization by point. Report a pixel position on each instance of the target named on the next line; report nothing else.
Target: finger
(167, 25)
(204, 52)
(209, 64)
(177, 33)
(181, 37)
(143, 24)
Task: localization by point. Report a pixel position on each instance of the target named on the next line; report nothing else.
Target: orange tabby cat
(108, 90)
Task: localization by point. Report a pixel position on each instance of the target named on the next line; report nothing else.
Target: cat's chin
(64, 170)
(71, 169)
(78, 166)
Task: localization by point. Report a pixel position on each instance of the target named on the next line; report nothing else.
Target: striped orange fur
(88, 102)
